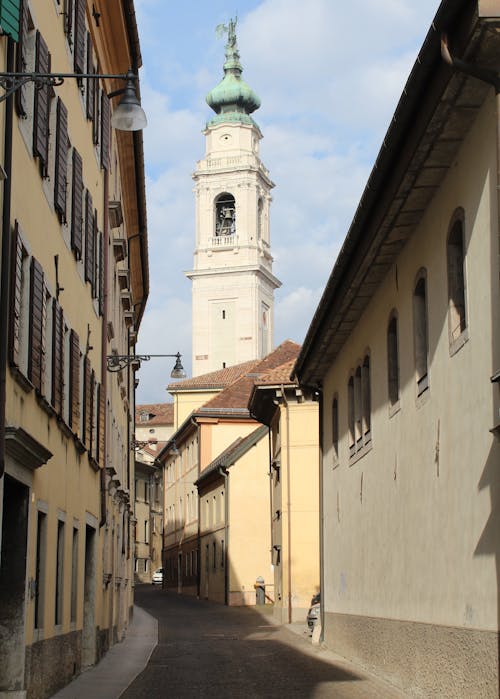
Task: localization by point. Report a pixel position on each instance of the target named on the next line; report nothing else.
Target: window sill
(422, 398)
(360, 453)
(394, 409)
(21, 379)
(457, 344)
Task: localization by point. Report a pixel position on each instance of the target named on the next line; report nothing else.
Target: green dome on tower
(232, 99)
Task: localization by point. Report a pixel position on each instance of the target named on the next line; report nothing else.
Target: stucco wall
(410, 529)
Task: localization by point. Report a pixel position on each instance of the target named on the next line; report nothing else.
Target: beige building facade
(405, 348)
(292, 416)
(232, 280)
(73, 194)
(234, 535)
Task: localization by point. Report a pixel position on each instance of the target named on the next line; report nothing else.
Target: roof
(160, 414)
(214, 380)
(234, 399)
(432, 118)
(234, 451)
(278, 376)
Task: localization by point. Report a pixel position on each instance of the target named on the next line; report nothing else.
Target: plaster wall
(411, 526)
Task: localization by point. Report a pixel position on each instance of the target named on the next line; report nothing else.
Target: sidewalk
(121, 664)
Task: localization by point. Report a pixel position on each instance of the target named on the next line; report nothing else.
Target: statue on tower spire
(232, 99)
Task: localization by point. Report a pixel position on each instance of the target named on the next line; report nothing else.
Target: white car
(157, 577)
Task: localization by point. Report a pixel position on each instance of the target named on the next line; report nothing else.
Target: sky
(329, 75)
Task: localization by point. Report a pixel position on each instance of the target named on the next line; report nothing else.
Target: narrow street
(209, 650)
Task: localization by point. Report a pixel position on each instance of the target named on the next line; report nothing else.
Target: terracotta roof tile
(160, 414)
(279, 375)
(235, 397)
(215, 379)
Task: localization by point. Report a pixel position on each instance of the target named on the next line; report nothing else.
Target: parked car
(157, 577)
(314, 612)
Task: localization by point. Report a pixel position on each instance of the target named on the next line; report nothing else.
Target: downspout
(198, 535)
(6, 254)
(104, 345)
(322, 587)
(269, 446)
(288, 506)
(225, 474)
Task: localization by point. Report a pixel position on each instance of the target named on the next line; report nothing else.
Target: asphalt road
(209, 650)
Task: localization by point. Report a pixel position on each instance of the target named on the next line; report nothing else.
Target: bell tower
(232, 280)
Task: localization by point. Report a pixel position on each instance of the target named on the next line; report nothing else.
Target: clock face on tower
(225, 138)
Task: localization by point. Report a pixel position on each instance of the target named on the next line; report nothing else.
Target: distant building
(405, 350)
(74, 284)
(154, 424)
(232, 280)
(204, 435)
(292, 415)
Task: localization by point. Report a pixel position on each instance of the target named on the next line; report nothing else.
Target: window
(41, 107)
(359, 408)
(350, 415)
(61, 160)
(335, 428)
(74, 574)
(77, 205)
(393, 360)
(456, 276)
(420, 333)
(20, 303)
(59, 573)
(225, 215)
(222, 554)
(41, 554)
(214, 551)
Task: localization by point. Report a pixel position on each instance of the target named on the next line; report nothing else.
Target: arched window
(335, 428)
(456, 276)
(225, 215)
(420, 332)
(350, 415)
(393, 359)
(260, 209)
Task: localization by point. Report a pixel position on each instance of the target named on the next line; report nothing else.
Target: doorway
(13, 584)
(89, 589)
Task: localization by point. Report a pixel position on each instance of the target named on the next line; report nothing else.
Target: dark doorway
(89, 588)
(13, 584)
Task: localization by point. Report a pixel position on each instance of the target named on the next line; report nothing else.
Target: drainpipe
(225, 474)
(104, 345)
(321, 517)
(288, 506)
(6, 254)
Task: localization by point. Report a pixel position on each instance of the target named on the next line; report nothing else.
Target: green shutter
(10, 12)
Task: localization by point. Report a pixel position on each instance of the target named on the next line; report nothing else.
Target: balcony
(224, 241)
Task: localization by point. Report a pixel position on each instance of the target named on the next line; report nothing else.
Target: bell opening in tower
(225, 215)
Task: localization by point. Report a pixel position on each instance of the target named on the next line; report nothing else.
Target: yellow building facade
(75, 283)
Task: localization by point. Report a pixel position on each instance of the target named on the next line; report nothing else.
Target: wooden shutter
(68, 17)
(105, 131)
(91, 83)
(36, 327)
(16, 297)
(96, 124)
(89, 239)
(61, 160)
(21, 65)
(91, 412)
(99, 432)
(87, 405)
(95, 270)
(74, 381)
(76, 205)
(79, 34)
(41, 108)
(57, 358)
(101, 274)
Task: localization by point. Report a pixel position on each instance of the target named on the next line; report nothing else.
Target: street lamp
(128, 115)
(117, 362)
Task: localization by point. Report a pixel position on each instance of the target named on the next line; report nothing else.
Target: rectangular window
(420, 334)
(38, 318)
(41, 106)
(41, 555)
(77, 205)
(335, 429)
(59, 574)
(61, 160)
(20, 304)
(74, 575)
(222, 554)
